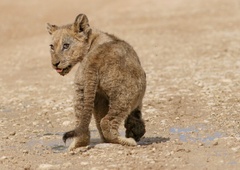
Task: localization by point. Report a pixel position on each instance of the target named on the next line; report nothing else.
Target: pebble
(167, 154)
(69, 109)
(45, 137)
(206, 121)
(120, 152)
(152, 162)
(72, 153)
(66, 123)
(5, 137)
(67, 165)
(81, 149)
(48, 167)
(113, 166)
(150, 110)
(25, 151)
(43, 112)
(12, 133)
(58, 113)
(27, 167)
(163, 122)
(3, 158)
(84, 163)
(215, 143)
(236, 149)
(94, 168)
(35, 123)
(104, 145)
(35, 131)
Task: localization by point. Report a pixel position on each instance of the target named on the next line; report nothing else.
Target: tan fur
(110, 82)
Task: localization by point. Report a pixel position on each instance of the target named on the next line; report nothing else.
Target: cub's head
(69, 43)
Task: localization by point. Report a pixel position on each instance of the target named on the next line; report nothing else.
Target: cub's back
(119, 68)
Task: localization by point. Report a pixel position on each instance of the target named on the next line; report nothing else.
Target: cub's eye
(65, 46)
(52, 47)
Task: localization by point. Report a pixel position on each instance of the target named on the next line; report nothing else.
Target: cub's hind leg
(110, 124)
(135, 126)
(101, 107)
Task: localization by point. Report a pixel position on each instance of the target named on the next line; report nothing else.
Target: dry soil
(190, 50)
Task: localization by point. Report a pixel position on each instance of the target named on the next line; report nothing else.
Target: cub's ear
(81, 24)
(51, 28)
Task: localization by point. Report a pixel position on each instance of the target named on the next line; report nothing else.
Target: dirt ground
(190, 51)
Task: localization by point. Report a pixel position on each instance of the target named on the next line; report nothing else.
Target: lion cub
(109, 83)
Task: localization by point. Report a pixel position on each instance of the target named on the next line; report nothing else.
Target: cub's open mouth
(59, 70)
(64, 71)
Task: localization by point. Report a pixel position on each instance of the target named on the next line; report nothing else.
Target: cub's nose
(56, 64)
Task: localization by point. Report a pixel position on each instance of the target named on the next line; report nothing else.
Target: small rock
(94, 168)
(27, 167)
(84, 163)
(45, 137)
(48, 167)
(163, 122)
(3, 158)
(104, 145)
(113, 166)
(167, 154)
(236, 149)
(181, 150)
(82, 149)
(69, 109)
(120, 152)
(25, 151)
(152, 162)
(72, 153)
(35, 123)
(67, 165)
(22, 141)
(58, 113)
(5, 137)
(43, 112)
(66, 123)
(206, 121)
(215, 143)
(12, 133)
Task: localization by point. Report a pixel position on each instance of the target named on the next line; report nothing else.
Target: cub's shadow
(143, 141)
(151, 140)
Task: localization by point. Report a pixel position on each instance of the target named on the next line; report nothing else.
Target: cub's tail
(69, 134)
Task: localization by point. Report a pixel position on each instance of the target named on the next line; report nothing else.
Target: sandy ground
(190, 50)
